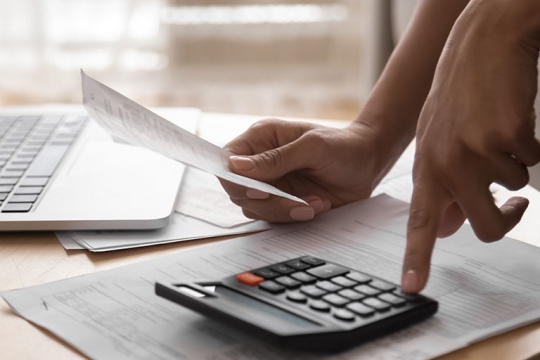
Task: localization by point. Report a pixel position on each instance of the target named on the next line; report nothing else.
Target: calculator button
(282, 269)
(343, 281)
(343, 314)
(328, 271)
(382, 285)
(298, 264)
(313, 261)
(359, 277)
(303, 277)
(271, 287)
(288, 282)
(249, 279)
(376, 304)
(328, 286)
(319, 305)
(366, 289)
(409, 297)
(335, 300)
(360, 309)
(312, 291)
(351, 294)
(296, 297)
(266, 273)
(392, 299)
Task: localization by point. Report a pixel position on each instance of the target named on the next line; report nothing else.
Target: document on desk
(208, 214)
(181, 228)
(483, 290)
(203, 198)
(134, 123)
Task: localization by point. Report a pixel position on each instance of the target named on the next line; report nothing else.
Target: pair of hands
(476, 128)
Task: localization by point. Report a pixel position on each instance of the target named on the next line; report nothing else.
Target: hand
(476, 128)
(324, 166)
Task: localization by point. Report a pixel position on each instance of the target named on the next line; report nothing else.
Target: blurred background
(312, 58)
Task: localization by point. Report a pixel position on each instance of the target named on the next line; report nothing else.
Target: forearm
(397, 99)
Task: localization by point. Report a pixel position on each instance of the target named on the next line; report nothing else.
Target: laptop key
(17, 207)
(22, 161)
(13, 174)
(37, 181)
(31, 190)
(8, 181)
(23, 198)
(17, 167)
(48, 160)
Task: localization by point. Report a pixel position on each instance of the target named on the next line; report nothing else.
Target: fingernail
(302, 213)
(317, 205)
(257, 194)
(410, 282)
(242, 163)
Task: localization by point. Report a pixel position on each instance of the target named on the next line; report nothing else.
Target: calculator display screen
(262, 310)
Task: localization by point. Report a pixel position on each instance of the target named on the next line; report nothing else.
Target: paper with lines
(134, 123)
(482, 289)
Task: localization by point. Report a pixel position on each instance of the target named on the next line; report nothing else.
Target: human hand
(324, 166)
(476, 128)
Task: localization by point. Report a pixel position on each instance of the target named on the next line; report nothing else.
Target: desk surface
(28, 259)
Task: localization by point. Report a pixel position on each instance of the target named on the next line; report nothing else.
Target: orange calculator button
(249, 279)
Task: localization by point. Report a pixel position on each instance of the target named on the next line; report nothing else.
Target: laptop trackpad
(97, 158)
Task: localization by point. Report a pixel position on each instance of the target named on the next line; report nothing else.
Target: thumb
(275, 163)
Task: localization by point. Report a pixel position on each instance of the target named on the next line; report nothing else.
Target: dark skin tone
(463, 79)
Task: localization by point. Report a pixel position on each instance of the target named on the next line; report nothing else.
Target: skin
(476, 128)
(329, 167)
(472, 98)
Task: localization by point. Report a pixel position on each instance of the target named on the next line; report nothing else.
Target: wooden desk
(28, 259)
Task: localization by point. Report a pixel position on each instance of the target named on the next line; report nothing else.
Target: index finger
(427, 203)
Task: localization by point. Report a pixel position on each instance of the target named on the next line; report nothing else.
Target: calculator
(305, 303)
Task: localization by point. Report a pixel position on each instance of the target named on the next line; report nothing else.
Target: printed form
(483, 290)
(137, 125)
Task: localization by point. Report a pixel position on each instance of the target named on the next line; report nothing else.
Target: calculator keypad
(324, 287)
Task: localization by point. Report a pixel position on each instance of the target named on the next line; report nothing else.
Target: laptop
(61, 171)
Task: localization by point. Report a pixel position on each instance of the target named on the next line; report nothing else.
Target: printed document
(483, 289)
(202, 197)
(135, 124)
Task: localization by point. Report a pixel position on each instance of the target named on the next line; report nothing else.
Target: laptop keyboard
(31, 148)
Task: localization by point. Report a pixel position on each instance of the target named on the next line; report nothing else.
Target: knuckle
(265, 123)
(419, 218)
(518, 180)
(271, 158)
(494, 140)
(491, 234)
(249, 214)
(521, 133)
(236, 202)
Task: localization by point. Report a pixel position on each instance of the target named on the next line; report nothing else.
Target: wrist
(387, 140)
(391, 130)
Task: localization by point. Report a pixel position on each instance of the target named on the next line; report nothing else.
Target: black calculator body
(305, 303)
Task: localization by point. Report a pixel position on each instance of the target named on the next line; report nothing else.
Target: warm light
(253, 14)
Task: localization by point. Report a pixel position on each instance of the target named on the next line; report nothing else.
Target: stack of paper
(195, 218)
(483, 290)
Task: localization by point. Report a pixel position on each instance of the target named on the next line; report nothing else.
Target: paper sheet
(483, 289)
(182, 228)
(218, 217)
(398, 182)
(67, 241)
(134, 123)
(202, 197)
